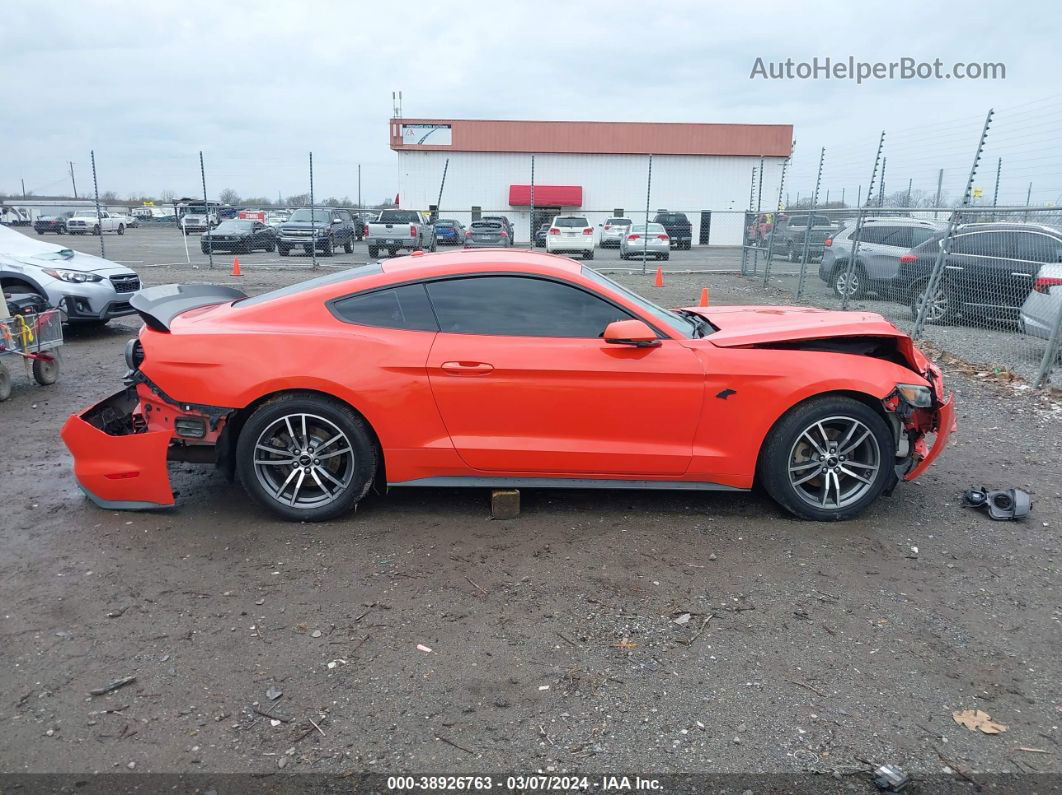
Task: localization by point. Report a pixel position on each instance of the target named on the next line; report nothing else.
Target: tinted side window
(1038, 248)
(516, 306)
(871, 234)
(899, 236)
(405, 307)
(920, 235)
(983, 244)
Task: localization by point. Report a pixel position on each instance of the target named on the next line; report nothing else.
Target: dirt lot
(553, 638)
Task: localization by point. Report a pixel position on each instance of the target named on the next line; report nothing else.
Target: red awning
(546, 195)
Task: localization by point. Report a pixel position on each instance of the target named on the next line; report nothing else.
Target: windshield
(654, 229)
(681, 324)
(235, 226)
(306, 215)
(618, 222)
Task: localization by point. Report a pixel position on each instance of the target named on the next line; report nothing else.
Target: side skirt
(561, 483)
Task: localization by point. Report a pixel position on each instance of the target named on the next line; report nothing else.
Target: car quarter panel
(379, 372)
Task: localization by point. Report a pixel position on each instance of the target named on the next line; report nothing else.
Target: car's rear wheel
(305, 457)
(828, 459)
(588, 255)
(282, 250)
(348, 246)
(941, 307)
(121, 229)
(374, 251)
(96, 230)
(851, 283)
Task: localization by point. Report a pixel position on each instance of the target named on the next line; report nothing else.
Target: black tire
(282, 250)
(858, 281)
(61, 230)
(204, 249)
(348, 246)
(328, 248)
(374, 252)
(307, 250)
(944, 309)
(786, 440)
(45, 371)
(588, 255)
(121, 229)
(40, 232)
(392, 252)
(96, 230)
(355, 476)
(434, 244)
(271, 246)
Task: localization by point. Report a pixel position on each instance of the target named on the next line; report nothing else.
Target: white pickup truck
(86, 222)
(400, 229)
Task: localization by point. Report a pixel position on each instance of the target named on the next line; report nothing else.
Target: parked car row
(999, 272)
(82, 222)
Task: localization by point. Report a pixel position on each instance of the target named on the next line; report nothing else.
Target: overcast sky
(258, 85)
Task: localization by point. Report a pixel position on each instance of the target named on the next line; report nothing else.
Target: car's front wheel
(941, 308)
(828, 458)
(348, 245)
(305, 457)
(374, 252)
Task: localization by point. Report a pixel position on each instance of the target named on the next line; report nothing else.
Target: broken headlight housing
(916, 395)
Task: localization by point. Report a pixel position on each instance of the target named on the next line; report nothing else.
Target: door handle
(466, 368)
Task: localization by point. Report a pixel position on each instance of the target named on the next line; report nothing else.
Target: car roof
(902, 220)
(1007, 227)
(484, 259)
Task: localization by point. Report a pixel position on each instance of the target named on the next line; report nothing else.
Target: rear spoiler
(158, 306)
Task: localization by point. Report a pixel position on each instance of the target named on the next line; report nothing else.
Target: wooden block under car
(504, 503)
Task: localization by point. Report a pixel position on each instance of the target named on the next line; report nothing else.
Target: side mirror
(631, 332)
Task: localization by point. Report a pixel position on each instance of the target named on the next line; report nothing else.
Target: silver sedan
(638, 242)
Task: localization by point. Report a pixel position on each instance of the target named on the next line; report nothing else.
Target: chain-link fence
(950, 235)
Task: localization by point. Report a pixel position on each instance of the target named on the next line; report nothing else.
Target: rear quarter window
(406, 307)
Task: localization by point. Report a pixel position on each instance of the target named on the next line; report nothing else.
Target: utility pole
(359, 186)
(910, 182)
(72, 181)
(23, 188)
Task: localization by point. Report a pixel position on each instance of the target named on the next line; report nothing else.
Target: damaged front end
(917, 412)
(122, 445)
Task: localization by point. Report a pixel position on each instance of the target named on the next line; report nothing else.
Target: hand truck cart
(33, 337)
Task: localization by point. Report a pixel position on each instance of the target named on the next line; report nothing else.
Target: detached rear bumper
(117, 464)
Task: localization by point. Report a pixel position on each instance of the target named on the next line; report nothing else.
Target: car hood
(38, 254)
(303, 225)
(749, 326)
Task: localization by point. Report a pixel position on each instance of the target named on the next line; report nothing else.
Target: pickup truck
(677, 226)
(400, 229)
(790, 231)
(85, 222)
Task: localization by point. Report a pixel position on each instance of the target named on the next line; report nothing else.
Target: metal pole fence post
(850, 266)
(938, 266)
(807, 231)
(360, 207)
(99, 215)
(532, 203)
(313, 218)
(206, 207)
(746, 224)
(995, 193)
(940, 184)
(881, 189)
(756, 218)
(1028, 198)
(774, 223)
(648, 190)
(1047, 364)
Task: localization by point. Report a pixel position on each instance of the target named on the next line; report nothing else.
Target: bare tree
(229, 196)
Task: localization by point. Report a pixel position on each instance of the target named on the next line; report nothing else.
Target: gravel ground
(559, 640)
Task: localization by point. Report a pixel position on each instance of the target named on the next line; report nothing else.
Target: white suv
(571, 234)
(881, 244)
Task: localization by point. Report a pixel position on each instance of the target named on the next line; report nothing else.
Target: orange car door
(525, 384)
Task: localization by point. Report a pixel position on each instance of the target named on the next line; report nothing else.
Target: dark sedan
(988, 271)
(540, 236)
(487, 234)
(239, 237)
(449, 232)
(51, 223)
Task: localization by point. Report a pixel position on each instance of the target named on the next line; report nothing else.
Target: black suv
(325, 228)
(678, 228)
(989, 270)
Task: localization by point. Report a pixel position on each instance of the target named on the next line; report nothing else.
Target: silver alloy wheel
(847, 284)
(834, 462)
(938, 305)
(303, 461)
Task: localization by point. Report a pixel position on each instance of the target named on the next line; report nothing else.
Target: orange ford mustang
(500, 368)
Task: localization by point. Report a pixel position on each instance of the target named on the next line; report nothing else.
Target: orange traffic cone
(704, 297)
(236, 267)
(659, 276)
